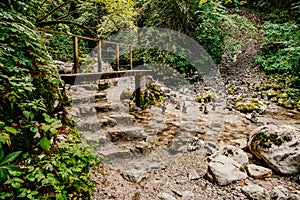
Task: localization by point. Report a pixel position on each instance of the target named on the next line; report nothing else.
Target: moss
(228, 152)
(266, 141)
(248, 105)
(126, 94)
(256, 87)
(283, 95)
(272, 93)
(230, 89)
(209, 96)
(274, 99)
(298, 105)
(242, 169)
(272, 86)
(286, 104)
(198, 98)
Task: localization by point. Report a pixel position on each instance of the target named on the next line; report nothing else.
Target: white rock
(256, 171)
(224, 170)
(280, 193)
(134, 175)
(256, 192)
(165, 196)
(278, 146)
(233, 152)
(193, 175)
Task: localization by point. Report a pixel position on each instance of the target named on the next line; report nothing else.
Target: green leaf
(30, 177)
(3, 176)
(11, 130)
(10, 167)
(26, 114)
(45, 143)
(10, 157)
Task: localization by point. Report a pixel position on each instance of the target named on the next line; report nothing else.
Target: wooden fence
(99, 49)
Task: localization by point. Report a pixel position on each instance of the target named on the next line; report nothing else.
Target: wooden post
(130, 56)
(138, 90)
(99, 56)
(76, 58)
(118, 56)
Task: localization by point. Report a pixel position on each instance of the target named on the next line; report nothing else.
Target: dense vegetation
(41, 153)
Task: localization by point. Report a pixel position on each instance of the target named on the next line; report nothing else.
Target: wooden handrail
(82, 37)
(99, 43)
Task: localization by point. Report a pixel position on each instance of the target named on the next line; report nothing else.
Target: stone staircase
(104, 122)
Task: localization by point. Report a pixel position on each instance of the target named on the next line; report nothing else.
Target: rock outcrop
(278, 146)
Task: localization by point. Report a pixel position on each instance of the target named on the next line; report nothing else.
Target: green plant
(64, 173)
(280, 51)
(5, 166)
(266, 140)
(152, 95)
(33, 118)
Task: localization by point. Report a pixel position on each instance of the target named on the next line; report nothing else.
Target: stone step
(90, 124)
(107, 107)
(83, 110)
(96, 138)
(123, 133)
(123, 118)
(88, 97)
(111, 151)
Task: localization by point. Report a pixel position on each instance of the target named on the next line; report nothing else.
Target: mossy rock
(277, 86)
(272, 86)
(126, 94)
(283, 95)
(298, 105)
(267, 140)
(286, 104)
(209, 96)
(248, 106)
(274, 99)
(272, 93)
(198, 98)
(256, 87)
(230, 89)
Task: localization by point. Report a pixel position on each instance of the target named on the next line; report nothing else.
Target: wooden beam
(138, 90)
(99, 55)
(130, 57)
(76, 57)
(118, 56)
(67, 34)
(77, 79)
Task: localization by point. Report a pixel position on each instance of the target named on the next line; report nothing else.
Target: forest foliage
(41, 153)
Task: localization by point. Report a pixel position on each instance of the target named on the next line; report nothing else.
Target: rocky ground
(233, 144)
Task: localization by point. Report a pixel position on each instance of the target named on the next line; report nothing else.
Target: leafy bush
(280, 50)
(54, 162)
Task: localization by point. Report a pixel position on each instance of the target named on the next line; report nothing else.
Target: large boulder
(278, 146)
(224, 170)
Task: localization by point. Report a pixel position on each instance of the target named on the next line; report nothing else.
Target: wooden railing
(78, 78)
(99, 49)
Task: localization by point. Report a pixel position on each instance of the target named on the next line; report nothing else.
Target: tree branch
(52, 11)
